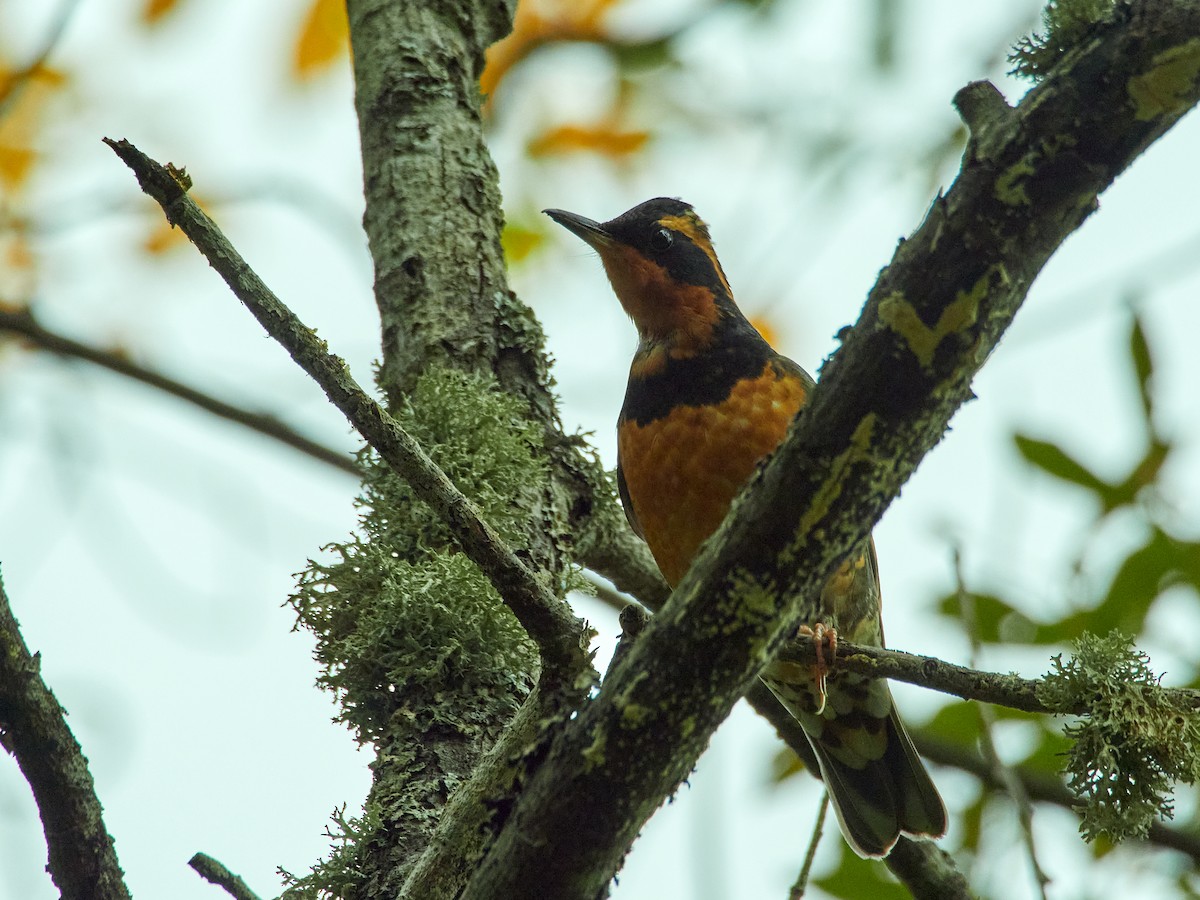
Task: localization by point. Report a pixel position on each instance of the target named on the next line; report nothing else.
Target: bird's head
(662, 266)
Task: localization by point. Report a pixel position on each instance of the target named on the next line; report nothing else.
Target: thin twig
(801, 884)
(560, 636)
(22, 321)
(1012, 691)
(987, 716)
(33, 728)
(213, 871)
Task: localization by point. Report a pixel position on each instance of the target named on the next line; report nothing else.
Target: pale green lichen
(830, 488)
(410, 635)
(1167, 87)
(336, 875)
(633, 715)
(402, 620)
(1066, 24)
(960, 315)
(594, 754)
(1135, 741)
(1010, 184)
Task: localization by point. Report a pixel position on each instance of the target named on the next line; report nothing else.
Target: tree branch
(561, 638)
(884, 400)
(22, 321)
(33, 728)
(1012, 691)
(214, 872)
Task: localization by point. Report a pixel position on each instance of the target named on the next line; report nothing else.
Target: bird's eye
(661, 240)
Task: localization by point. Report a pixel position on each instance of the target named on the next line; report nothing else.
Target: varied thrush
(707, 401)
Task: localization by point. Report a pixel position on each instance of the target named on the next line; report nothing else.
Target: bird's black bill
(589, 230)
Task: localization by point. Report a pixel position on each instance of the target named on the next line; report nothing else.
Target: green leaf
(1054, 460)
(1143, 367)
(995, 620)
(856, 877)
(954, 723)
(1047, 757)
(1139, 580)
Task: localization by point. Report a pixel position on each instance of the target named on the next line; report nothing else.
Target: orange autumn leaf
(154, 10)
(538, 22)
(15, 164)
(765, 328)
(26, 93)
(162, 235)
(324, 36)
(518, 241)
(603, 139)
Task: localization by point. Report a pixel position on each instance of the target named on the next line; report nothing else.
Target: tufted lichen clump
(408, 629)
(1136, 740)
(1066, 23)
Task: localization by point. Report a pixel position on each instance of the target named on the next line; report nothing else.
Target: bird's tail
(875, 778)
(881, 798)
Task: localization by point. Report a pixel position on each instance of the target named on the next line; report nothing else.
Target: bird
(708, 399)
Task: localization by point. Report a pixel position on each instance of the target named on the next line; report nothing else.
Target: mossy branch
(562, 639)
(33, 728)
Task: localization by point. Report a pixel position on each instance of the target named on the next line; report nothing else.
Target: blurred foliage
(324, 38)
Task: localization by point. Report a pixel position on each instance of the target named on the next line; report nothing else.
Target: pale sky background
(147, 548)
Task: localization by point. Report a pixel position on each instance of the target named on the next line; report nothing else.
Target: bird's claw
(824, 640)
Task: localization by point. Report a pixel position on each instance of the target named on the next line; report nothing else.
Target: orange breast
(683, 470)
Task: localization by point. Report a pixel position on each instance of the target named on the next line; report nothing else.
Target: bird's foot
(824, 640)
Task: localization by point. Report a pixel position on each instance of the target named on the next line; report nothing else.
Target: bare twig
(22, 321)
(801, 883)
(987, 717)
(561, 638)
(33, 728)
(1012, 691)
(213, 871)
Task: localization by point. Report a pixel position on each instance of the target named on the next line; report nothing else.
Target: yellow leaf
(162, 235)
(603, 139)
(324, 36)
(153, 10)
(26, 94)
(765, 328)
(538, 22)
(519, 242)
(15, 164)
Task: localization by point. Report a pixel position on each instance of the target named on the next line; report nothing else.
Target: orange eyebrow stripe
(693, 229)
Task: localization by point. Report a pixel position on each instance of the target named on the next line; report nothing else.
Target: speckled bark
(1031, 176)
(433, 222)
(82, 859)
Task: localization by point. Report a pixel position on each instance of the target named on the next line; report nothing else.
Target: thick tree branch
(33, 728)
(22, 321)
(433, 222)
(561, 638)
(884, 400)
